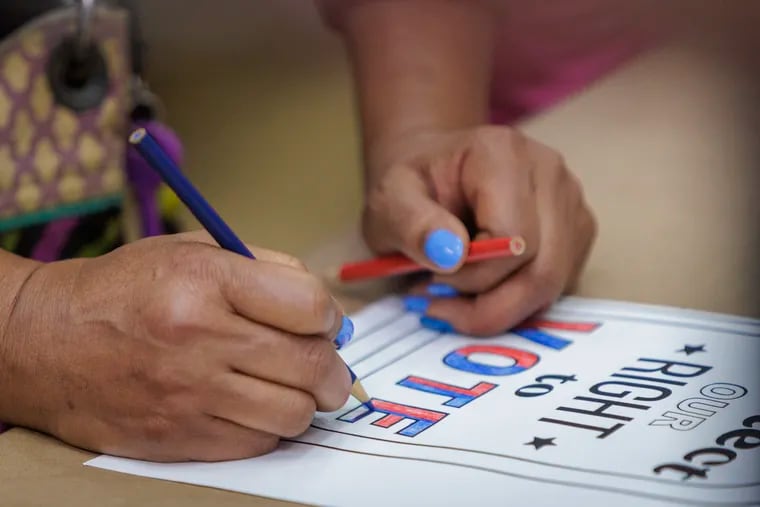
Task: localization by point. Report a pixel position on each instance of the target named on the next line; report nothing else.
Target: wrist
(34, 323)
(15, 272)
(409, 147)
(420, 65)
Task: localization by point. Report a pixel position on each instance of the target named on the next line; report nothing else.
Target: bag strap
(137, 41)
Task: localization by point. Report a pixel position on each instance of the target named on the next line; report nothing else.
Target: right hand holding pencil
(172, 349)
(431, 191)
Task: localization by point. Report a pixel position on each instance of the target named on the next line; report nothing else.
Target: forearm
(418, 65)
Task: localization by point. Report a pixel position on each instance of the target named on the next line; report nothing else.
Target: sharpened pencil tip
(358, 392)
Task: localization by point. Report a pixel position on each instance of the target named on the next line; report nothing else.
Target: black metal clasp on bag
(77, 70)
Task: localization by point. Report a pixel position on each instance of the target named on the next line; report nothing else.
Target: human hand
(172, 349)
(425, 191)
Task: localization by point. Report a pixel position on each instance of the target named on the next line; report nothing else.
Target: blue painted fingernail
(442, 326)
(442, 290)
(345, 334)
(444, 248)
(416, 304)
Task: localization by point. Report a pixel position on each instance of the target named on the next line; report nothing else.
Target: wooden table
(666, 151)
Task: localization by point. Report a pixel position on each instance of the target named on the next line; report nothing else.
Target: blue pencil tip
(368, 404)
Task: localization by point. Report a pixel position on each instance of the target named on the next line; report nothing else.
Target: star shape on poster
(690, 349)
(538, 442)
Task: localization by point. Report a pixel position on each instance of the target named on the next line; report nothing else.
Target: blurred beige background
(261, 95)
(667, 148)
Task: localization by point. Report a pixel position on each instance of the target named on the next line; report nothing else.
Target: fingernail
(416, 304)
(440, 325)
(345, 334)
(442, 290)
(444, 248)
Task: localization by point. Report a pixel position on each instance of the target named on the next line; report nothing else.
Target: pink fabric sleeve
(332, 11)
(544, 54)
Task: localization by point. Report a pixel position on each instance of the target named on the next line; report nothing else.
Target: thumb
(401, 216)
(264, 254)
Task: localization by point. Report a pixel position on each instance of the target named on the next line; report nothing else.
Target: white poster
(594, 403)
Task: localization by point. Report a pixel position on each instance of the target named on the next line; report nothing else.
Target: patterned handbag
(65, 108)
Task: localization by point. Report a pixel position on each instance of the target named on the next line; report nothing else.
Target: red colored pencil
(394, 265)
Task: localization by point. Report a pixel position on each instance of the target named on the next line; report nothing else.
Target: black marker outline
(648, 320)
(640, 307)
(393, 340)
(575, 314)
(414, 349)
(532, 478)
(378, 326)
(544, 463)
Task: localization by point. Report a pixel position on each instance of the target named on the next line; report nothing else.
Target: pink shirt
(547, 50)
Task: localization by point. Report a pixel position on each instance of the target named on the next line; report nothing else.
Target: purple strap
(54, 237)
(145, 181)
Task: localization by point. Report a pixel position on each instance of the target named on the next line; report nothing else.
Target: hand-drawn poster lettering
(595, 403)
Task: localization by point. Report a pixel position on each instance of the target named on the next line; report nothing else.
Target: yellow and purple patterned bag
(65, 106)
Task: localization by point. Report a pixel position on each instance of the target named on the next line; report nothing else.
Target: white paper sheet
(472, 421)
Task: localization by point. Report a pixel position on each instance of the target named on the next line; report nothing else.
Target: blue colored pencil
(162, 163)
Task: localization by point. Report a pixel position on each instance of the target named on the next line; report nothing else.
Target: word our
(694, 411)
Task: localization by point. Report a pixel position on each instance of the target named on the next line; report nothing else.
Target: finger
(192, 312)
(198, 437)
(202, 236)
(493, 312)
(428, 288)
(338, 327)
(498, 184)
(538, 283)
(453, 285)
(419, 295)
(480, 278)
(402, 217)
(261, 405)
(483, 276)
(279, 296)
(307, 363)
(265, 254)
(498, 187)
(224, 440)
